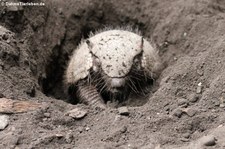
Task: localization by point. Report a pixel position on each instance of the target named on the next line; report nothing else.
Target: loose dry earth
(186, 105)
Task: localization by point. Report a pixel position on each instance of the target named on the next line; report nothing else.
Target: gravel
(4, 121)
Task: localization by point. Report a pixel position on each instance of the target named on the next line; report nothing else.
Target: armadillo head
(116, 56)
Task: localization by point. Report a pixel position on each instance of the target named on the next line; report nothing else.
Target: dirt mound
(188, 103)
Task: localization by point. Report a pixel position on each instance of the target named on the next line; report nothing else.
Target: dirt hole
(78, 28)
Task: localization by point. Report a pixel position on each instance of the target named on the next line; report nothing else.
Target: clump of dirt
(37, 41)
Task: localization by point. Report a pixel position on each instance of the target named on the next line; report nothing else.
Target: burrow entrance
(79, 27)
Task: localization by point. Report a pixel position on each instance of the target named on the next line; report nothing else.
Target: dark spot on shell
(110, 58)
(108, 65)
(124, 65)
(103, 57)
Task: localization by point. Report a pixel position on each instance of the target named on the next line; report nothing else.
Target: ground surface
(187, 105)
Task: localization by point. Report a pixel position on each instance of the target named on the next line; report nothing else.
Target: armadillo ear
(90, 44)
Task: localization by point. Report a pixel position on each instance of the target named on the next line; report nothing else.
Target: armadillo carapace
(109, 65)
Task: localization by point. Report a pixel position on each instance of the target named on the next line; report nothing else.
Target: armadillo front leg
(89, 95)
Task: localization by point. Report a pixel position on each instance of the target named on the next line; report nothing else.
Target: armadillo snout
(117, 84)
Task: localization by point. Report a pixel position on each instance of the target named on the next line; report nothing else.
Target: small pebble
(199, 88)
(193, 98)
(4, 121)
(123, 129)
(209, 140)
(177, 112)
(182, 102)
(186, 135)
(77, 113)
(123, 111)
(216, 103)
(60, 10)
(47, 115)
(87, 128)
(184, 139)
(222, 105)
(45, 119)
(190, 111)
(59, 135)
(69, 137)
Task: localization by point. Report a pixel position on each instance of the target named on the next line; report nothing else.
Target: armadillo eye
(137, 63)
(97, 61)
(137, 60)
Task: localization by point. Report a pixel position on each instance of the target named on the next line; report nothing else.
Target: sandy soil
(185, 110)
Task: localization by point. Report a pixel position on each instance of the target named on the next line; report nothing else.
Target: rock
(123, 111)
(11, 106)
(45, 119)
(190, 111)
(209, 140)
(87, 128)
(177, 112)
(158, 146)
(184, 139)
(123, 129)
(222, 105)
(182, 102)
(193, 98)
(58, 135)
(4, 121)
(69, 137)
(47, 115)
(199, 88)
(77, 113)
(216, 103)
(186, 135)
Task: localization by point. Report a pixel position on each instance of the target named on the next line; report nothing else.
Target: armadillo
(109, 65)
